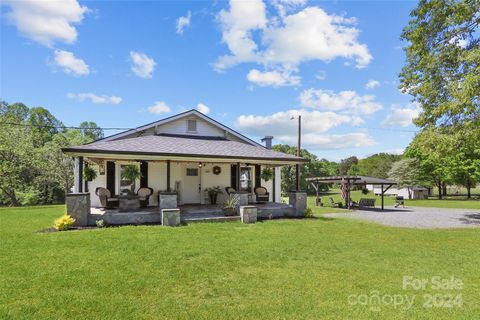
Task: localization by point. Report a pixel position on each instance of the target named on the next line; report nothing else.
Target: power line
(61, 127)
(123, 129)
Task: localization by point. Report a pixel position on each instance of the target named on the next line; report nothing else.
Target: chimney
(268, 142)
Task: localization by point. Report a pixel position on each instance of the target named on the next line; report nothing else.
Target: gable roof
(185, 147)
(179, 116)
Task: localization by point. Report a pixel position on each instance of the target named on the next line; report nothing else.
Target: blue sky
(251, 65)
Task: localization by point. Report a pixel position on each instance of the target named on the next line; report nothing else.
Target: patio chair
(335, 204)
(262, 194)
(230, 190)
(144, 193)
(106, 199)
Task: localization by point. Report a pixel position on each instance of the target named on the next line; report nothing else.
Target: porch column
(237, 187)
(168, 176)
(78, 175)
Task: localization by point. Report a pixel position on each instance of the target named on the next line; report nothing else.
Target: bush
(29, 197)
(64, 223)
(365, 191)
(308, 213)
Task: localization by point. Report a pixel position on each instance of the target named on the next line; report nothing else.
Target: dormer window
(191, 125)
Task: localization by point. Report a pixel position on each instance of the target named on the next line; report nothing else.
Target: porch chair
(144, 194)
(262, 194)
(106, 199)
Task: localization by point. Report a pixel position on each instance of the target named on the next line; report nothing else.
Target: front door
(191, 185)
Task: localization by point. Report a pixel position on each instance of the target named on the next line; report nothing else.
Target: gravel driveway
(417, 217)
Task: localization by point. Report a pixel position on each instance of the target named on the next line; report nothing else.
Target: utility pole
(297, 168)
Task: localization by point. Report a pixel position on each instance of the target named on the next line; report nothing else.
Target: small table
(128, 203)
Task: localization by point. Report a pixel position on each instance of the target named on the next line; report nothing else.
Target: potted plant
(132, 173)
(89, 174)
(213, 193)
(230, 205)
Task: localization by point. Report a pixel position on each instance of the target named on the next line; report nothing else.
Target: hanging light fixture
(200, 165)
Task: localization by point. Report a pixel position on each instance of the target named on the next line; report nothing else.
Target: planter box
(248, 214)
(167, 200)
(171, 217)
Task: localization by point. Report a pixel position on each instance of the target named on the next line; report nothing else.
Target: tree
(442, 70)
(407, 174)
(314, 168)
(345, 165)
(91, 130)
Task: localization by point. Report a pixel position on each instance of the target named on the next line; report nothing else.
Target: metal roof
(351, 180)
(183, 146)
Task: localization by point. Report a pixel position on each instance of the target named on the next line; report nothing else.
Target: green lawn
(279, 269)
(389, 201)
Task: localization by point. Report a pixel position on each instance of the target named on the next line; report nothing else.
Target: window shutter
(111, 177)
(144, 172)
(233, 176)
(258, 180)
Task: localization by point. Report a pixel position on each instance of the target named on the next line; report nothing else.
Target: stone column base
(78, 206)
(248, 214)
(298, 199)
(171, 217)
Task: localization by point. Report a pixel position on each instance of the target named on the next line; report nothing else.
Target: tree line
(33, 169)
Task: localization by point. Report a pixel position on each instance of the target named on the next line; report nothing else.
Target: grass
(462, 203)
(279, 269)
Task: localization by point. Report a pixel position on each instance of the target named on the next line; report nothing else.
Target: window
(192, 172)
(192, 125)
(246, 179)
(124, 183)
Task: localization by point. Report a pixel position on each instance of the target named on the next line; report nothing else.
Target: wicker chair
(262, 194)
(230, 190)
(106, 200)
(144, 193)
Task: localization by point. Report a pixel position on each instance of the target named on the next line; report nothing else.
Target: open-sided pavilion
(348, 181)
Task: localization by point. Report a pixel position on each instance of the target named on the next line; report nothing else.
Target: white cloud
(288, 39)
(401, 117)
(273, 78)
(46, 21)
(159, 107)
(281, 123)
(332, 141)
(70, 64)
(183, 23)
(343, 100)
(203, 108)
(372, 84)
(321, 75)
(103, 99)
(143, 66)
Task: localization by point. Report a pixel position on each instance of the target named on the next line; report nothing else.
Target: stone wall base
(248, 214)
(78, 206)
(298, 200)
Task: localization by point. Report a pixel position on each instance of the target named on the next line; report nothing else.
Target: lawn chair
(335, 204)
(399, 201)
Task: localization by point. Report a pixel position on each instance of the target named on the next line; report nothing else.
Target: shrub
(64, 223)
(365, 191)
(101, 223)
(29, 197)
(308, 213)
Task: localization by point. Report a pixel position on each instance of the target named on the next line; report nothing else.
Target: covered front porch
(188, 214)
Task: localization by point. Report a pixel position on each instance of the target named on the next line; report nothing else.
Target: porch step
(207, 218)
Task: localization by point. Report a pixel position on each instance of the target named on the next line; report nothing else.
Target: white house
(185, 153)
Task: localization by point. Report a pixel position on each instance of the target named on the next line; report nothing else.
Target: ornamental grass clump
(64, 223)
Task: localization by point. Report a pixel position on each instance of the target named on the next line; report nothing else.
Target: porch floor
(193, 213)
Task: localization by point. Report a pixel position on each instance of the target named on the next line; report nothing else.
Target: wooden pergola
(351, 180)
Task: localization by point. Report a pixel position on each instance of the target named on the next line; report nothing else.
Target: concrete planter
(78, 206)
(167, 200)
(171, 217)
(248, 214)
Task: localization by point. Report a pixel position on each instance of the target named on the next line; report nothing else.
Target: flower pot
(213, 198)
(229, 211)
